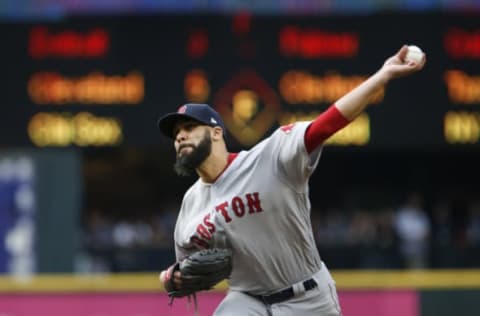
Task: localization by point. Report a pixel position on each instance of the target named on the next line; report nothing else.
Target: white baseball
(414, 54)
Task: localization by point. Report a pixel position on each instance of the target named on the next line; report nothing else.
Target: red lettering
(210, 225)
(203, 232)
(197, 44)
(241, 23)
(253, 203)
(311, 45)
(222, 208)
(238, 206)
(67, 44)
(462, 44)
(315, 43)
(199, 242)
(96, 44)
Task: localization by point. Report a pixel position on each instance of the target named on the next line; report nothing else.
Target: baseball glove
(200, 271)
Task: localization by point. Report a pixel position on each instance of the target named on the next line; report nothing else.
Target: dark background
(411, 115)
(105, 198)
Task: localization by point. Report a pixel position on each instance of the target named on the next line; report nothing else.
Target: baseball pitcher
(247, 217)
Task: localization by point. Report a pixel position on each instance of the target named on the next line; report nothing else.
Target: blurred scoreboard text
(104, 81)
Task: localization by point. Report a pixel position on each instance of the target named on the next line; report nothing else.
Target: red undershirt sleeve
(324, 126)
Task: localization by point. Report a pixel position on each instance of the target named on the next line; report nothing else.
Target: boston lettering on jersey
(236, 208)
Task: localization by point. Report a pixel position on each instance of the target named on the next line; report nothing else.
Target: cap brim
(167, 122)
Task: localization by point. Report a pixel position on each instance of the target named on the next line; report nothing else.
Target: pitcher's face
(193, 145)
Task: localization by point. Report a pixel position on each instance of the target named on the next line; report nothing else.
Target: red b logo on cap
(182, 109)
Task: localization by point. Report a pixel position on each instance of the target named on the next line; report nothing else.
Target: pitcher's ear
(217, 132)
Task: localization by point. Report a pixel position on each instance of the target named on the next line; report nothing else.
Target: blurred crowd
(406, 236)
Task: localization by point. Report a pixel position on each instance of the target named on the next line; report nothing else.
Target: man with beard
(189, 161)
(256, 203)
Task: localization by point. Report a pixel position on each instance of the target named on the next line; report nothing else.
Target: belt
(284, 295)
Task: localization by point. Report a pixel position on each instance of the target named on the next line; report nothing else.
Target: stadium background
(88, 197)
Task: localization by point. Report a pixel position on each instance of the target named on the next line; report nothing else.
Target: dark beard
(185, 165)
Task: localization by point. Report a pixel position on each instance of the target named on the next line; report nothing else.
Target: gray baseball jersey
(259, 207)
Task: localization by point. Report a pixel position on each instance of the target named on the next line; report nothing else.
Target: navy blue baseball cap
(201, 113)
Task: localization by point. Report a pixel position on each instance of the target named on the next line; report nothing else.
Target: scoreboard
(105, 80)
